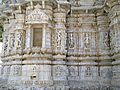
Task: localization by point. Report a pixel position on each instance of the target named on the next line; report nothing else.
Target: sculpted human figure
(71, 40)
(18, 40)
(86, 41)
(16, 70)
(12, 41)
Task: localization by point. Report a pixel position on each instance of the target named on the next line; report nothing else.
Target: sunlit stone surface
(60, 45)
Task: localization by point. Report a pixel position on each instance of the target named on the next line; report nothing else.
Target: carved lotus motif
(87, 2)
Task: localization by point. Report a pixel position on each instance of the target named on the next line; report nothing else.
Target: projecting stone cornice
(117, 62)
(86, 7)
(87, 4)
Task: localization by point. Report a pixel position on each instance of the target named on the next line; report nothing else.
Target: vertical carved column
(12, 42)
(60, 71)
(44, 37)
(114, 16)
(102, 23)
(104, 59)
(72, 35)
(19, 41)
(28, 38)
(19, 29)
(82, 48)
(47, 28)
(89, 34)
(48, 38)
(5, 44)
(60, 30)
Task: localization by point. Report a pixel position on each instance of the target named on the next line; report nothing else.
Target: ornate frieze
(81, 34)
(37, 16)
(87, 2)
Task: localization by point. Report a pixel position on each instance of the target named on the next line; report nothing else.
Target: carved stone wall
(77, 48)
(114, 16)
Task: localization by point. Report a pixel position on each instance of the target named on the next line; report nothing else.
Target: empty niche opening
(33, 77)
(37, 37)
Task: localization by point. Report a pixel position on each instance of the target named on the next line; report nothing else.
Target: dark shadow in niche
(33, 77)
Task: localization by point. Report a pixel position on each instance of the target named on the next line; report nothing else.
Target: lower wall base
(62, 88)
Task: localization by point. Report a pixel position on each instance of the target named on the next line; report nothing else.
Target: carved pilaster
(103, 36)
(60, 30)
(114, 16)
(28, 37)
(44, 37)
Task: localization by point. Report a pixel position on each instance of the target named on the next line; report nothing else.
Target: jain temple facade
(60, 45)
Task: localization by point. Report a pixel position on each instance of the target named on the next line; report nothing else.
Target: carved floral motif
(37, 16)
(60, 72)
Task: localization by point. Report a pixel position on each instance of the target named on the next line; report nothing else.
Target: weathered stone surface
(60, 45)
